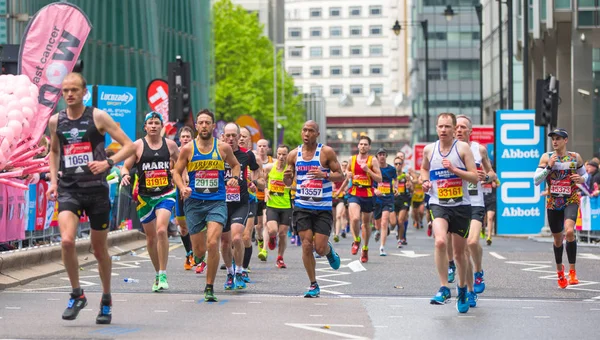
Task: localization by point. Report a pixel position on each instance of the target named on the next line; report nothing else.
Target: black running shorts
(281, 216)
(477, 213)
(319, 221)
(95, 202)
(459, 218)
(236, 213)
(556, 218)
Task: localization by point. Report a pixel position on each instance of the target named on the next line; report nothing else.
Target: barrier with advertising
(484, 135)
(519, 146)
(589, 214)
(418, 154)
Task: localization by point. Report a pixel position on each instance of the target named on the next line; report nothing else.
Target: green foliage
(244, 74)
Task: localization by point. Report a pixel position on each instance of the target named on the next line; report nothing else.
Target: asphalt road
(389, 300)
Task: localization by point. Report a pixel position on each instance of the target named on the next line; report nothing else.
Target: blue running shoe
(451, 273)
(462, 300)
(442, 296)
(472, 299)
(478, 282)
(229, 282)
(333, 258)
(239, 281)
(313, 291)
(245, 276)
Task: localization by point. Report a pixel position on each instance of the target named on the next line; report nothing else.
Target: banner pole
(545, 231)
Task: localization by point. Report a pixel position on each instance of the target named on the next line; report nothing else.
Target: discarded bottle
(116, 258)
(130, 280)
(133, 253)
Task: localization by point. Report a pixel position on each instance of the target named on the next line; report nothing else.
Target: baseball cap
(153, 114)
(593, 163)
(381, 150)
(559, 132)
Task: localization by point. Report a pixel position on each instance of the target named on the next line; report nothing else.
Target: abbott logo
(526, 125)
(512, 180)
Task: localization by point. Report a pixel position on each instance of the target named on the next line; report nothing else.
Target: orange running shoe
(355, 247)
(573, 277)
(364, 257)
(201, 267)
(187, 265)
(562, 281)
(192, 262)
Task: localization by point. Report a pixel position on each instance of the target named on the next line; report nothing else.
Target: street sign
(157, 94)
(519, 146)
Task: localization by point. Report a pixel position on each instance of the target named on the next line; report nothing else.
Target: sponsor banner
(120, 103)
(408, 157)
(519, 146)
(87, 99)
(252, 125)
(484, 135)
(50, 47)
(590, 213)
(157, 94)
(418, 154)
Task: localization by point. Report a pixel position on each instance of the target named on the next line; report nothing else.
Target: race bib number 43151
(78, 154)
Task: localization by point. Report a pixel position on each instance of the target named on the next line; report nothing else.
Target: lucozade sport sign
(519, 146)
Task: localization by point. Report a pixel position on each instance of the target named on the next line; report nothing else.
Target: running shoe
(443, 296)
(298, 241)
(429, 229)
(355, 247)
(262, 254)
(223, 267)
(377, 236)
(76, 304)
(482, 234)
(472, 299)
(239, 281)
(260, 244)
(333, 258)
(201, 267)
(313, 291)
(478, 282)
(272, 242)
(364, 256)
(573, 277)
(462, 301)
(336, 238)
(489, 241)
(105, 315)
(192, 261)
(228, 285)
(451, 273)
(399, 244)
(245, 276)
(253, 236)
(382, 251)
(562, 281)
(209, 295)
(155, 286)
(293, 239)
(187, 265)
(280, 263)
(343, 234)
(162, 282)
(403, 241)
(289, 233)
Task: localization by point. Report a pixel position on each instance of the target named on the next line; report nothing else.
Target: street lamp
(449, 14)
(424, 26)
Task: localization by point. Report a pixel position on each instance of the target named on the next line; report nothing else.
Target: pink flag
(15, 213)
(3, 201)
(50, 47)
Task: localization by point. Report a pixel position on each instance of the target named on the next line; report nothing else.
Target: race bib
(486, 188)
(362, 181)
(472, 189)
(78, 154)
(312, 189)
(384, 188)
(449, 190)
(277, 188)
(206, 181)
(232, 194)
(156, 178)
(418, 195)
(401, 187)
(560, 187)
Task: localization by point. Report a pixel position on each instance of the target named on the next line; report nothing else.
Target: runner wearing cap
(384, 202)
(562, 171)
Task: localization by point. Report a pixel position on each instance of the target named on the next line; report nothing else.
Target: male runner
(402, 200)
(384, 202)
(361, 201)
(314, 166)
(339, 205)
(447, 167)
(262, 149)
(418, 203)
(279, 207)
(77, 151)
(237, 208)
(204, 197)
(489, 199)
(156, 195)
(562, 170)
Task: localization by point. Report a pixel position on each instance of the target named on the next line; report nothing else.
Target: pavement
(388, 300)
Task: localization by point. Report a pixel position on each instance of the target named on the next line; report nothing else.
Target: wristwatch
(110, 162)
(236, 178)
(487, 178)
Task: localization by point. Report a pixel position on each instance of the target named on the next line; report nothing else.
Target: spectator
(593, 175)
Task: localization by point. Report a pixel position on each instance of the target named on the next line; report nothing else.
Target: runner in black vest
(77, 149)
(156, 194)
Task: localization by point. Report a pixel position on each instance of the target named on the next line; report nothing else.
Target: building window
(335, 51)
(315, 12)
(295, 32)
(376, 69)
(316, 71)
(295, 71)
(316, 51)
(295, 52)
(356, 70)
(335, 90)
(354, 11)
(375, 11)
(335, 71)
(335, 11)
(375, 30)
(355, 50)
(355, 31)
(318, 90)
(375, 50)
(437, 36)
(335, 31)
(356, 89)
(377, 88)
(315, 32)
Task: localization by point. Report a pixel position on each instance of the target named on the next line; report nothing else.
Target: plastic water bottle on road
(116, 258)
(130, 280)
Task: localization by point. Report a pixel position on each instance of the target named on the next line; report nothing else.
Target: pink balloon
(27, 113)
(3, 117)
(22, 92)
(26, 129)
(17, 128)
(2, 160)
(15, 115)
(5, 146)
(22, 80)
(7, 133)
(13, 104)
(27, 102)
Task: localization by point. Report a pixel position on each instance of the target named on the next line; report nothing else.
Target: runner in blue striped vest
(315, 166)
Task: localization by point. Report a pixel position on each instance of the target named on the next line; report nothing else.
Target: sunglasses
(397, 163)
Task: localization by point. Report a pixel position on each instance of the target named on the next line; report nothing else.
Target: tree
(244, 74)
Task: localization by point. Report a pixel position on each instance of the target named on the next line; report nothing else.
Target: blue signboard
(120, 103)
(519, 146)
(32, 198)
(87, 99)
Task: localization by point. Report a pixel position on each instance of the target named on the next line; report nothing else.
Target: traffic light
(546, 102)
(179, 90)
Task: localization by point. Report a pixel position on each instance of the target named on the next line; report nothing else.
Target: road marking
(328, 273)
(319, 328)
(87, 309)
(161, 311)
(467, 316)
(188, 300)
(542, 266)
(410, 254)
(542, 317)
(588, 256)
(498, 256)
(51, 299)
(121, 300)
(171, 248)
(527, 307)
(316, 315)
(396, 316)
(380, 326)
(234, 313)
(257, 302)
(320, 304)
(13, 308)
(594, 308)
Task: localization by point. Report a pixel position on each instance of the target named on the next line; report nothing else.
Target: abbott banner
(519, 146)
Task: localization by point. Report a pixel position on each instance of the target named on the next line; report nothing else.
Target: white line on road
(234, 313)
(320, 304)
(542, 317)
(319, 328)
(121, 300)
(498, 256)
(316, 315)
(188, 300)
(161, 311)
(396, 316)
(13, 308)
(594, 308)
(527, 307)
(87, 309)
(51, 299)
(380, 326)
(467, 316)
(257, 302)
